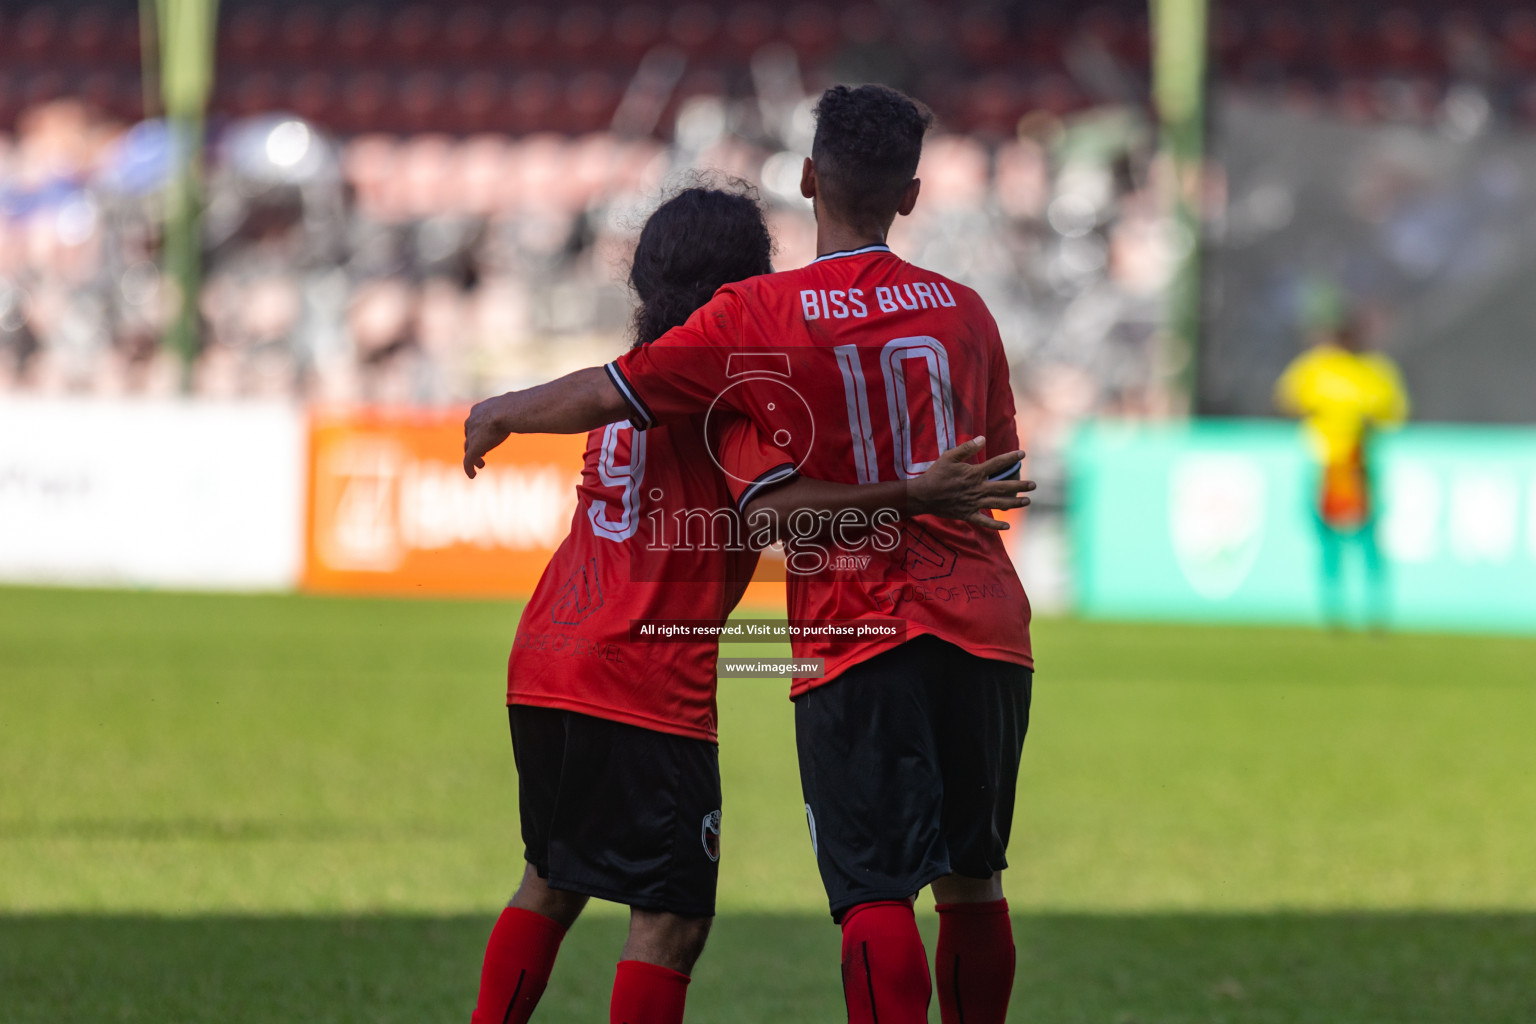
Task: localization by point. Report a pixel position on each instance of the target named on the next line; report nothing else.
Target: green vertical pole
(1178, 84)
(186, 40)
(149, 57)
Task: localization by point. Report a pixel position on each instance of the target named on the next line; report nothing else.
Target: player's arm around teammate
(953, 487)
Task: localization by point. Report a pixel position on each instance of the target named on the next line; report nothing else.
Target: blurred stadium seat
(956, 47)
(484, 175)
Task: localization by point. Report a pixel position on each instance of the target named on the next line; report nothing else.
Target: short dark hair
(868, 142)
(701, 238)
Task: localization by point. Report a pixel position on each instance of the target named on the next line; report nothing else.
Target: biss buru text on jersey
(839, 305)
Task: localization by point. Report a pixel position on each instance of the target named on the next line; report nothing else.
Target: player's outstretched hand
(482, 432)
(956, 488)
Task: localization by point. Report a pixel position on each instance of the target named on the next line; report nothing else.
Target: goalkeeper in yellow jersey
(1343, 396)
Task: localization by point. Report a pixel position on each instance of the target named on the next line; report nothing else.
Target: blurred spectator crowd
(405, 66)
(419, 204)
(430, 268)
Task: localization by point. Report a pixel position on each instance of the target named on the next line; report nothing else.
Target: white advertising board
(193, 494)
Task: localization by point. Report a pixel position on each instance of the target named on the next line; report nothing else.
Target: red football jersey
(622, 561)
(861, 367)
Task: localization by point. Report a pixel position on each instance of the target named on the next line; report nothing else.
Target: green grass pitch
(281, 809)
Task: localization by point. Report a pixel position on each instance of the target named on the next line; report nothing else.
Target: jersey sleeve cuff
(1011, 473)
(766, 482)
(639, 415)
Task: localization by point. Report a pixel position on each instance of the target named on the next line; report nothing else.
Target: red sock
(518, 959)
(885, 967)
(974, 962)
(647, 994)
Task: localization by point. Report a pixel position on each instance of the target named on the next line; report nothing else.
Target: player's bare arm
(953, 487)
(573, 404)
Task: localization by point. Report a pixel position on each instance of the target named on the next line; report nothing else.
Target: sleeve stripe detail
(1011, 473)
(642, 418)
(776, 475)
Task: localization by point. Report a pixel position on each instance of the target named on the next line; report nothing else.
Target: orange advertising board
(391, 511)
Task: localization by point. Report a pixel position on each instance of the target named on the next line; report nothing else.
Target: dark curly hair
(868, 141)
(699, 239)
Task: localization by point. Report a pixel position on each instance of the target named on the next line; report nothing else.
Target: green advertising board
(1213, 520)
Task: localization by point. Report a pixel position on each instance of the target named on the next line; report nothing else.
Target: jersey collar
(877, 247)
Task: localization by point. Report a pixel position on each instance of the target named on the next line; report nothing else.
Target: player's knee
(534, 894)
(684, 937)
(962, 889)
(691, 935)
(670, 940)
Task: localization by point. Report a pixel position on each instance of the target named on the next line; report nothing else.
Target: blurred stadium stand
(420, 203)
(402, 66)
(409, 202)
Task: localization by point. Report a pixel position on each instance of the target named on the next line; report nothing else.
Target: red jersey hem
(581, 707)
(836, 668)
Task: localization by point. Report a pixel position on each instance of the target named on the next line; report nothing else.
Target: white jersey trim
(878, 247)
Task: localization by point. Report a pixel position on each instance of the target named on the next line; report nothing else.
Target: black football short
(618, 812)
(908, 763)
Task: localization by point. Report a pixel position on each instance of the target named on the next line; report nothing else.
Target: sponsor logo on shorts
(709, 834)
(810, 820)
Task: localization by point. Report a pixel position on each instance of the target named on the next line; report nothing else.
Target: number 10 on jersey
(894, 355)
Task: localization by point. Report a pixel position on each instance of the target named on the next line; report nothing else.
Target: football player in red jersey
(619, 786)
